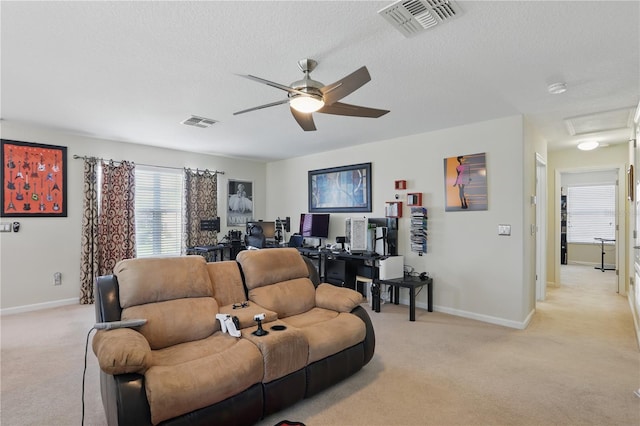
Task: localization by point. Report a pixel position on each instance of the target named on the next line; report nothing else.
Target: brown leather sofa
(180, 368)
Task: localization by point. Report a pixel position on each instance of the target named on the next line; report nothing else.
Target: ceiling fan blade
(341, 88)
(284, 101)
(339, 108)
(273, 84)
(304, 119)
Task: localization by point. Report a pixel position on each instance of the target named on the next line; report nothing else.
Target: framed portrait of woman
(465, 182)
(239, 202)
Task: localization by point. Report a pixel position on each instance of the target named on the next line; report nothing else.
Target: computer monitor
(314, 225)
(268, 228)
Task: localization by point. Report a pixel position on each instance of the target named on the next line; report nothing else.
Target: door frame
(621, 235)
(541, 228)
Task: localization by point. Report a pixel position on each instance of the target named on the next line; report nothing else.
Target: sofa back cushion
(174, 294)
(286, 298)
(226, 282)
(149, 280)
(269, 266)
(278, 279)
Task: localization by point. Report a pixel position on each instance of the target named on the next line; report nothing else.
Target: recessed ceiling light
(588, 146)
(557, 88)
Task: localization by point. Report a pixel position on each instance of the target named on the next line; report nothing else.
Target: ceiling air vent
(411, 17)
(196, 121)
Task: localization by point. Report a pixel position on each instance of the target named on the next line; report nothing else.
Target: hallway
(587, 304)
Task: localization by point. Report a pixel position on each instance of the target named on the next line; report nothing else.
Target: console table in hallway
(406, 282)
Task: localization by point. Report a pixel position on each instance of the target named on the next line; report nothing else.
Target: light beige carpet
(577, 364)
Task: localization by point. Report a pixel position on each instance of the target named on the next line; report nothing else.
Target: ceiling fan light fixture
(306, 104)
(588, 145)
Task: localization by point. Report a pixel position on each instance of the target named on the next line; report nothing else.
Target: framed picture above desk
(340, 189)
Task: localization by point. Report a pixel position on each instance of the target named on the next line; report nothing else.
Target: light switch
(504, 229)
(5, 227)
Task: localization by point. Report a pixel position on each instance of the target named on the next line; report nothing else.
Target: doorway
(586, 250)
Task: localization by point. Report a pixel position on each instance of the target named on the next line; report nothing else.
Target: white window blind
(590, 213)
(158, 207)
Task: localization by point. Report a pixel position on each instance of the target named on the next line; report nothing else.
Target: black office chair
(255, 237)
(296, 240)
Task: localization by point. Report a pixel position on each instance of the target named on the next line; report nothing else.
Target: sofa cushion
(328, 332)
(283, 351)
(176, 321)
(198, 374)
(226, 282)
(148, 280)
(269, 266)
(286, 298)
(245, 315)
(173, 294)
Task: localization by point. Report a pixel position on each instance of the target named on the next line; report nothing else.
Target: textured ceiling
(132, 71)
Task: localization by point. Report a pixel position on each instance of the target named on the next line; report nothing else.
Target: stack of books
(418, 231)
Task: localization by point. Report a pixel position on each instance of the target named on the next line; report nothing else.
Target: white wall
(477, 273)
(29, 258)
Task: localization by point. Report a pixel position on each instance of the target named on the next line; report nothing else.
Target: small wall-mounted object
(401, 184)
(393, 209)
(414, 199)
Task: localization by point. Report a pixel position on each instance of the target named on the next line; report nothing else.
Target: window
(591, 213)
(158, 211)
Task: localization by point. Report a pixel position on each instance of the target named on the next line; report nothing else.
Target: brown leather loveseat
(180, 368)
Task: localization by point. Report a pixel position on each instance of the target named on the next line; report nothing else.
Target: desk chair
(255, 237)
(296, 240)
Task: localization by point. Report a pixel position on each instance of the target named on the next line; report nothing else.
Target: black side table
(406, 282)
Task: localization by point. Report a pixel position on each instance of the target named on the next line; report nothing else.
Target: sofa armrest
(121, 351)
(338, 299)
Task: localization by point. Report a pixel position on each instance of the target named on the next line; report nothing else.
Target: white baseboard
(474, 316)
(38, 306)
(634, 314)
(486, 318)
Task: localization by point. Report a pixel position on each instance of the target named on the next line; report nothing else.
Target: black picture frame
(340, 189)
(34, 179)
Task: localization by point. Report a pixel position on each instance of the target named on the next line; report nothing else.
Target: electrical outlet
(57, 278)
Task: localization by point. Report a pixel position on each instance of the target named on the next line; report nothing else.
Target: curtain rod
(84, 157)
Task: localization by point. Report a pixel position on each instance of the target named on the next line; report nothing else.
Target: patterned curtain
(89, 247)
(201, 202)
(116, 222)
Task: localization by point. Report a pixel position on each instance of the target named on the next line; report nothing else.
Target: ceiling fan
(307, 96)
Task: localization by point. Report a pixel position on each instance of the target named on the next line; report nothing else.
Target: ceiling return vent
(196, 121)
(411, 17)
